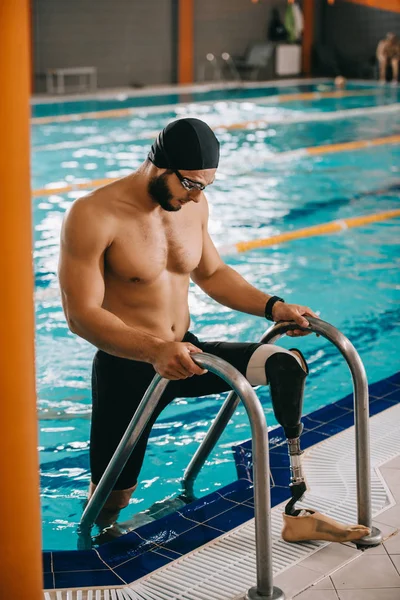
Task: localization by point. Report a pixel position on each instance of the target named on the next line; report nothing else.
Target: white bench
(87, 79)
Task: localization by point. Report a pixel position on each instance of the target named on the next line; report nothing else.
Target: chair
(256, 58)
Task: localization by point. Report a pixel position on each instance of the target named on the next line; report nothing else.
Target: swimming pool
(351, 278)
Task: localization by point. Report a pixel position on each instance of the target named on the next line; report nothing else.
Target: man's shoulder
(96, 205)
(89, 217)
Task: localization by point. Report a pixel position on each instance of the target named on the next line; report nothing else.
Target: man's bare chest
(143, 252)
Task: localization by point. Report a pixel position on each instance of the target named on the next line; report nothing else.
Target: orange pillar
(308, 35)
(185, 40)
(20, 531)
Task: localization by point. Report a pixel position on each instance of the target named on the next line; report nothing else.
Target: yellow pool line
(357, 145)
(321, 229)
(123, 112)
(84, 185)
(391, 139)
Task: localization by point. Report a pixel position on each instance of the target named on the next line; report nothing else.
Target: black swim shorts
(119, 384)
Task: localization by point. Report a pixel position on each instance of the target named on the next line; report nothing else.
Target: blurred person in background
(388, 50)
(340, 82)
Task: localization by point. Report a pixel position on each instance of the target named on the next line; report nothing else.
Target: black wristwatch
(269, 306)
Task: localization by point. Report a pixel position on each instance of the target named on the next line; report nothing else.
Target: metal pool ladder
(361, 421)
(242, 390)
(259, 433)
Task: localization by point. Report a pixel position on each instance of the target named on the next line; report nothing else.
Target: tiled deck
(375, 575)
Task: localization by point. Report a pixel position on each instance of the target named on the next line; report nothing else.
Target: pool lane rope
(311, 151)
(321, 229)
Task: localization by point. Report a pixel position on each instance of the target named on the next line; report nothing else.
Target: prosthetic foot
(287, 379)
(310, 525)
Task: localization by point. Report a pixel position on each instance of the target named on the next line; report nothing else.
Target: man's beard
(159, 191)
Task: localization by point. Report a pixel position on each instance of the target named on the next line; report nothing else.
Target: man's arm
(228, 287)
(85, 237)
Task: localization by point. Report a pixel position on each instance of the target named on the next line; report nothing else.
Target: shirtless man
(388, 50)
(128, 251)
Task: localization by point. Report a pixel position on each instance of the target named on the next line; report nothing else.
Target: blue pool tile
(395, 379)
(127, 546)
(76, 560)
(336, 425)
(347, 402)
(279, 458)
(235, 486)
(327, 413)
(75, 579)
(276, 437)
(168, 553)
(378, 406)
(232, 518)
(242, 496)
(48, 581)
(382, 388)
(393, 397)
(279, 494)
(332, 428)
(308, 423)
(206, 511)
(199, 503)
(240, 491)
(168, 527)
(141, 565)
(46, 560)
(198, 536)
(310, 438)
(244, 471)
(280, 476)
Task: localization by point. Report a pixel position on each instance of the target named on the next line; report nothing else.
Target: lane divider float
(315, 230)
(314, 150)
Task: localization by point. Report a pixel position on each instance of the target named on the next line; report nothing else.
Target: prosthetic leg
(287, 379)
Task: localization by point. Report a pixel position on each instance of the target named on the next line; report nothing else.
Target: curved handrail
(259, 431)
(361, 416)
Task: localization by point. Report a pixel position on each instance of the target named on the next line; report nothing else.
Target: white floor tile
(317, 595)
(395, 558)
(330, 558)
(388, 594)
(386, 530)
(376, 550)
(392, 544)
(369, 571)
(393, 464)
(390, 517)
(324, 584)
(391, 476)
(294, 580)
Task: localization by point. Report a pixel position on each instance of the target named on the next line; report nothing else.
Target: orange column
(308, 35)
(185, 40)
(20, 531)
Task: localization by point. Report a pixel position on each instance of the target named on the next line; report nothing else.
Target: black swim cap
(187, 144)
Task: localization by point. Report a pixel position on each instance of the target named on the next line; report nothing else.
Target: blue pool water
(352, 278)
